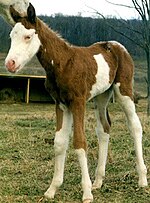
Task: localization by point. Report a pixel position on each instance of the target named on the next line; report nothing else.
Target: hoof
(87, 200)
(49, 195)
(143, 182)
(96, 185)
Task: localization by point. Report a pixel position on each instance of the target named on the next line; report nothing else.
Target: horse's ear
(31, 14)
(14, 14)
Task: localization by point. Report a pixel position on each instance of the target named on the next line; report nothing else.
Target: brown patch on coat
(125, 71)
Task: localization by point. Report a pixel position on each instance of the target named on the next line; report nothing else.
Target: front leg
(86, 182)
(78, 109)
(64, 127)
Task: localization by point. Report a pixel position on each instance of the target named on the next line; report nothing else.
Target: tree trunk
(148, 81)
(148, 63)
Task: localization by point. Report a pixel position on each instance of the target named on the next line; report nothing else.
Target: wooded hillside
(84, 31)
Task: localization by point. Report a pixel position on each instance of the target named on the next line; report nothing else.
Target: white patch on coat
(102, 76)
(62, 136)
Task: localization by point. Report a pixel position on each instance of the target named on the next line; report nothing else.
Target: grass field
(27, 157)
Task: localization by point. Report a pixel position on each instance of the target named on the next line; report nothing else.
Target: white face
(19, 5)
(24, 45)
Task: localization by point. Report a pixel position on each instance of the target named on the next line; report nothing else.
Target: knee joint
(60, 142)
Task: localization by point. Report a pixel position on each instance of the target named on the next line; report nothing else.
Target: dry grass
(27, 157)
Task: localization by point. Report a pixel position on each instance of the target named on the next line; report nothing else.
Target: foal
(74, 76)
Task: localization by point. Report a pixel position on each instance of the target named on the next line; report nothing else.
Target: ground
(27, 157)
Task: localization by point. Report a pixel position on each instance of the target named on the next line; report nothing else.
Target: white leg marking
(135, 129)
(103, 139)
(60, 146)
(86, 182)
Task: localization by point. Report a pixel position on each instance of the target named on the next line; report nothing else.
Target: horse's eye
(27, 37)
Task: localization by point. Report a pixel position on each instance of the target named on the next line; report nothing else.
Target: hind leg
(135, 129)
(102, 132)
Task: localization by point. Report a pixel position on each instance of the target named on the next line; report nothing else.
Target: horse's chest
(57, 93)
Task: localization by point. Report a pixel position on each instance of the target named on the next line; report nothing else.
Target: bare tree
(143, 9)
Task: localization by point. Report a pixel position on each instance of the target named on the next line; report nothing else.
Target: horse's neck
(53, 47)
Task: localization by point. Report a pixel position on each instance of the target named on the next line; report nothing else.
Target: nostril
(10, 63)
(13, 62)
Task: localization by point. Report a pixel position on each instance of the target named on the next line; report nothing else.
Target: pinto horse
(74, 76)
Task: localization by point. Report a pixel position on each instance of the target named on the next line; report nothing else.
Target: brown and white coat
(74, 76)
